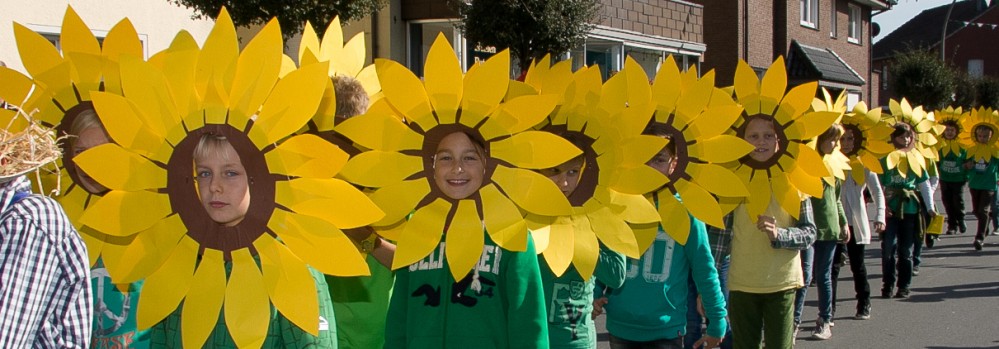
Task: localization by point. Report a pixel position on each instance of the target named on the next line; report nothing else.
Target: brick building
(824, 40)
(972, 24)
(646, 30)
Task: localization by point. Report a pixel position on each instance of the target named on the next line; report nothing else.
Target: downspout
(745, 30)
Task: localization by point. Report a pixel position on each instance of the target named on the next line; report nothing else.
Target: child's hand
(598, 307)
(768, 225)
(844, 235)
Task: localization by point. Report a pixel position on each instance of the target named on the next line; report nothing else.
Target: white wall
(156, 21)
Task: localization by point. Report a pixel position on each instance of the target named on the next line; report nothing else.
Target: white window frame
(833, 22)
(855, 29)
(976, 68)
(810, 13)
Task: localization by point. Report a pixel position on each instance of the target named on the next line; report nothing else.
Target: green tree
(965, 90)
(291, 14)
(988, 92)
(923, 79)
(529, 28)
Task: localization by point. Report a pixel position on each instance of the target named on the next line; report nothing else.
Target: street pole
(943, 38)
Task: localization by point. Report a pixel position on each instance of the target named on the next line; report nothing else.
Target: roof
(924, 30)
(812, 63)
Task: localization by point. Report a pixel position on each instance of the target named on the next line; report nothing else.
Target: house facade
(972, 25)
(828, 41)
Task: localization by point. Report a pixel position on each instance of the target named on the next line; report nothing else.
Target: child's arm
(610, 268)
(800, 236)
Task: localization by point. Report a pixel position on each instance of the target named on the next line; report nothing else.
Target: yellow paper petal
(716, 179)
(809, 160)
(759, 194)
(376, 168)
(399, 200)
(805, 182)
(289, 284)
(558, 255)
(700, 203)
(442, 78)
(531, 191)
(15, 87)
(786, 195)
(638, 180)
(314, 240)
(37, 53)
(348, 207)
(464, 239)
(352, 58)
(256, 71)
(204, 301)
(223, 46)
(636, 208)
(517, 115)
(720, 149)
(137, 210)
(534, 150)
(290, 105)
(119, 169)
(247, 309)
(502, 219)
(675, 219)
(485, 86)
(587, 250)
(126, 125)
(422, 234)
(406, 93)
(394, 135)
(613, 232)
(149, 250)
(164, 289)
(306, 155)
(645, 234)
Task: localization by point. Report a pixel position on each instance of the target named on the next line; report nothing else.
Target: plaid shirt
(799, 237)
(44, 274)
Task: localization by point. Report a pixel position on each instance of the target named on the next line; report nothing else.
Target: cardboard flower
(917, 155)
(953, 117)
(296, 211)
(836, 162)
(869, 142)
(795, 169)
(400, 161)
(984, 117)
(608, 196)
(63, 83)
(694, 114)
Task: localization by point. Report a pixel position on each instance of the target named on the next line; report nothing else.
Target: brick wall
(678, 20)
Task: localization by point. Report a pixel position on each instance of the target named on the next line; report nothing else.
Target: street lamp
(943, 37)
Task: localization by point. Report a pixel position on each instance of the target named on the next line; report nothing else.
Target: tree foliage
(291, 14)
(923, 79)
(965, 90)
(529, 28)
(988, 92)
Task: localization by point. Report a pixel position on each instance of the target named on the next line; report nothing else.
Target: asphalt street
(954, 301)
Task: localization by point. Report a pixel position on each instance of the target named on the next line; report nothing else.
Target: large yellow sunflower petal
(485, 86)
(442, 78)
(406, 93)
(376, 168)
(147, 87)
(720, 149)
(665, 90)
(639, 179)
(149, 250)
(464, 239)
(123, 40)
(351, 60)
(534, 150)
(95, 245)
(700, 203)
(612, 231)
(747, 87)
(759, 194)
(531, 191)
(137, 211)
(398, 200)
(421, 234)
(517, 115)
(636, 209)
(204, 301)
(786, 194)
(257, 69)
(812, 124)
(587, 249)
(716, 179)
(37, 53)
(314, 240)
(127, 127)
(247, 309)
(773, 85)
(73, 200)
(119, 169)
(502, 219)
(308, 47)
(675, 219)
(393, 135)
(695, 99)
(289, 284)
(810, 160)
(332, 44)
(308, 156)
(290, 105)
(805, 182)
(163, 290)
(349, 208)
(645, 234)
(15, 86)
(223, 46)
(796, 102)
(559, 255)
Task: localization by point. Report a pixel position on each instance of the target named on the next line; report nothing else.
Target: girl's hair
(901, 128)
(84, 120)
(351, 98)
(654, 129)
(213, 145)
(834, 131)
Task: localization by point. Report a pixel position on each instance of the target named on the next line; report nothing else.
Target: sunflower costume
(916, 157)
(978, 136)
(297, 207)
(953, 174)
(869, 140)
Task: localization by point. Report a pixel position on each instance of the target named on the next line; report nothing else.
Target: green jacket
(828, 211)
(952, 167)
(361, 304)
(983, 175)
(570, 300)
(281, 333)
(497, 305)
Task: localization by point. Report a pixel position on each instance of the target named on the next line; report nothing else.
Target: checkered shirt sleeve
(45, 296)
(798, 237)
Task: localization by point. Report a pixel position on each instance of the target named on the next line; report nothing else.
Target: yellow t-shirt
(756, 266)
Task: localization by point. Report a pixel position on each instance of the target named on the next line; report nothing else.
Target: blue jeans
(806, 271)
(899, 238)
(823, 259)
(694, 319)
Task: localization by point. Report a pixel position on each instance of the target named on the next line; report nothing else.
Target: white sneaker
(794, 335)
(822, 330)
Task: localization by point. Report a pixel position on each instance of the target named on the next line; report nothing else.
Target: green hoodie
(497, 305)
(952, 167)
(570, 300)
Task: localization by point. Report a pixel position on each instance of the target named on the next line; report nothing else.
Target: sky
(904, 11)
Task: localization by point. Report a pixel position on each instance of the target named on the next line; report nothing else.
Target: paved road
(954, 302)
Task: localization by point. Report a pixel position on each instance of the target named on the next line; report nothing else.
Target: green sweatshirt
(828, 213)
(899, 190)
(361, 304)
(281, 333)
(497, 305)
(570, 300)
(952, 167)
(983, 175)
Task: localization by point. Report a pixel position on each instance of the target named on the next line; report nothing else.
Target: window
(810, 13)
(833, 22)
(976, 68)
(422, 36)
(856, 22)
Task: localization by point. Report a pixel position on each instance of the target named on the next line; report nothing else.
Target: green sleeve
(839, 205)
(702, 268)
(610, 268)
(527, 325)
(395, 324)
